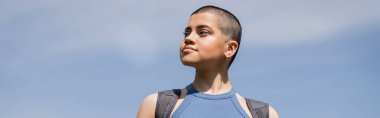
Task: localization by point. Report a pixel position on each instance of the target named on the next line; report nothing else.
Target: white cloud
(289, 22)
(58, 29)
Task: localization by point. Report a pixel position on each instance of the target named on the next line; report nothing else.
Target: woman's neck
(212, 81)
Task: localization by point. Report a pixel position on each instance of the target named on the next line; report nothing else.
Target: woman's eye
(203, 33)
(186, 33)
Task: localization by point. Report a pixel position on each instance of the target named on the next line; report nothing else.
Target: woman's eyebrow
(187, 28)
(198, 27)
(203, 26)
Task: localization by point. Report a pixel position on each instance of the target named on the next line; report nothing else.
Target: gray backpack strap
(166, 101)
(258, 109)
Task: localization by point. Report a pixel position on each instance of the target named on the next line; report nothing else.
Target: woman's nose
(189, 40)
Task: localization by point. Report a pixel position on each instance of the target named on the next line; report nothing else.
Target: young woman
(211, 42)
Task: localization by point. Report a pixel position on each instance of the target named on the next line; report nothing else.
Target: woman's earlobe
(227, 51)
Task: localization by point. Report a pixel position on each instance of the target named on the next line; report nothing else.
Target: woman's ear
(231, 48)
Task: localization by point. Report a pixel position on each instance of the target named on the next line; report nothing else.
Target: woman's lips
(188, 49)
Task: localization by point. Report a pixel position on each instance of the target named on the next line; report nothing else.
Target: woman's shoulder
(148, 106)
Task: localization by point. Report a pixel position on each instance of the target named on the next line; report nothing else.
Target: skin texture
(209, 51)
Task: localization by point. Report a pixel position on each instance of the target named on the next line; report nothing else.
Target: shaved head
(229, 25)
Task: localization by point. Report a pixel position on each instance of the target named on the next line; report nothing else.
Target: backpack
(167, 99)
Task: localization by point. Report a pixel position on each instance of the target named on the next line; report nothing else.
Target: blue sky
(98, 59)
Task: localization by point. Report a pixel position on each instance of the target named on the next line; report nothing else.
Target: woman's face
(204, 43)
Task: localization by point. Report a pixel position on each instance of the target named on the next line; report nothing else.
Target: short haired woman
(211, 42)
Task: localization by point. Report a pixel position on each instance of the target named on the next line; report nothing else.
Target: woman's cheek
(210, 52)
(210, 48)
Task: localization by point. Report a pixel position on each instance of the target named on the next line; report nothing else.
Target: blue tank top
(200, 105)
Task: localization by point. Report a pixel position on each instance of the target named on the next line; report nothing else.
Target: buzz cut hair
(229, 25)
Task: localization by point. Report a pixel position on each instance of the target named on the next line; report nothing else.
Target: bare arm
(148, 106)
(273, 113)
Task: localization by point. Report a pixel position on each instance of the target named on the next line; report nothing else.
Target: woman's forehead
(203, 19)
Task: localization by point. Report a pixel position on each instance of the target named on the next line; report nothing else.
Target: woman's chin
(189, 62)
